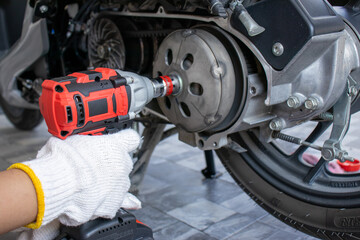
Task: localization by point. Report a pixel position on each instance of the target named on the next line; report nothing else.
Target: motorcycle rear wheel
(21, 118)
(275, 181)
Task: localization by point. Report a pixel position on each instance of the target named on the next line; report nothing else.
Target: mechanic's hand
(82, 178)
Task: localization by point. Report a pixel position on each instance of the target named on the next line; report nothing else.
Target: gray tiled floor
(178, 203)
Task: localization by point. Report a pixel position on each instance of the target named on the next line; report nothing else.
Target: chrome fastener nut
(327, 154)
(187, 32)
(293, 102)
(217, 71)
(276, 124)
(353, 91)
(311, 103)
(44, 8)
(278, 49)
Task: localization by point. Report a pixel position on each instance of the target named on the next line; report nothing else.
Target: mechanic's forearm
(18, 202)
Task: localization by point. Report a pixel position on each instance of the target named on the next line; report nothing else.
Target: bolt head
(353, 91)
(278, 49)
(341, 156)
(293, 102)
(103, 51)
(217, 71)
(327, 154)
(276, 125)
(43, 8)
(311, 103)
(187, 32)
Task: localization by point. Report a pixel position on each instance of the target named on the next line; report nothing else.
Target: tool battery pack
(123, 226)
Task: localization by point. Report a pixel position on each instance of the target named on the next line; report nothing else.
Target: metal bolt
(217, 71)
(311, 103)
(210, 120)
(187, 32)
(326, 116)
(278, 49)
(327, 154)
(293, 102)
(101, 51)
(253, 90)
(341, 156)
(43, 8)
(233, 4)
(353, 91)
(276, 124)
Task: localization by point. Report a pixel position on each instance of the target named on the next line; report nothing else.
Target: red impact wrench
(99, 101)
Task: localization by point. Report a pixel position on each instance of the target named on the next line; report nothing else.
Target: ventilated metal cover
(105, 45)
(207, 72)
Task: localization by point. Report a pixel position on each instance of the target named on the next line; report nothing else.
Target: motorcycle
(250, 70)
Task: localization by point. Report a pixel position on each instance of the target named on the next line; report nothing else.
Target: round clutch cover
(204, 65)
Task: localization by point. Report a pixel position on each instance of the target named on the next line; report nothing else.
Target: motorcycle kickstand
(210, 171)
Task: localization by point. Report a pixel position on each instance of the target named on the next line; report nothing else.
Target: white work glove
(82, 178)
(48, 232)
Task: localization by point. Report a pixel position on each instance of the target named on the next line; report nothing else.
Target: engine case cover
(205, 67)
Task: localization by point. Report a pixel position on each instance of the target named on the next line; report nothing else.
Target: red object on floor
(350, 166)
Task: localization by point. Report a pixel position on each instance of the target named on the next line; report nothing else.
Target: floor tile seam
(257, 219)
(201, 230)
(235, 213)
(178, 220)
(210, 235)
(164, 212)
(164, 227)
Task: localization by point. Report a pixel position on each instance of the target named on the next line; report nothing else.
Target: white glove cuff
(53, 191)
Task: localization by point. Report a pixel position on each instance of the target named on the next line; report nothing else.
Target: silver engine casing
(319, 71)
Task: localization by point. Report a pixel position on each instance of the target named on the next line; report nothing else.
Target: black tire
(21, 118)
(314, 213)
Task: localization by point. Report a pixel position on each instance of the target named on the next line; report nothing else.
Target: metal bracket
(331, 148)
(341, 111)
